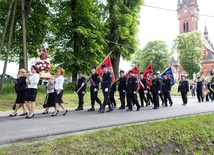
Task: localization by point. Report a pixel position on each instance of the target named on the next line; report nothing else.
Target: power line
(167, 9)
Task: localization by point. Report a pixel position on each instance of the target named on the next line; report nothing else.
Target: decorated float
(42, 63)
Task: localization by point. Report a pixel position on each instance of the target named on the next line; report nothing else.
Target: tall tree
(37, 15)
(122, 21)
(155, 51)
(78, 35)
(190, 49)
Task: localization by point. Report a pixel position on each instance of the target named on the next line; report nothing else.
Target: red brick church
(188, 21)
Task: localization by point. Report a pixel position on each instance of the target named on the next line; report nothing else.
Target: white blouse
(33, 81)
(59, 83)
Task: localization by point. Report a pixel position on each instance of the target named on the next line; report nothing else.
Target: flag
(146, 74)
(170, 75)
(135, 71)
(107, 62)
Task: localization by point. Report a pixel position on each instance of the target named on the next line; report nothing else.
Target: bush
(8, 88)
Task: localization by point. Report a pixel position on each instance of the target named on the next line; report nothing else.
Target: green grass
(185, 136)
(70, 99)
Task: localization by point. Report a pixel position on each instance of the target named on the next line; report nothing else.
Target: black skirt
(31, 94)
(58, 97)
(20, 97)
(51, 100)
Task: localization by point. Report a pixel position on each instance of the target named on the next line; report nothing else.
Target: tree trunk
(74, 20)
(6, 24)
(24, 35)
(8, 47)
(115, 63)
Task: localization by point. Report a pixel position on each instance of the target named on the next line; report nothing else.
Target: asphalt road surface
(18, 128)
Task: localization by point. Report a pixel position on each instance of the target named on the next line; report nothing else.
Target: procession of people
(151, 87)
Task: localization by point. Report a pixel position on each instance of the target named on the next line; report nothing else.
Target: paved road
(18, 128)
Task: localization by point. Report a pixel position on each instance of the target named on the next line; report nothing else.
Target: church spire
(179, 2)
(206, 32)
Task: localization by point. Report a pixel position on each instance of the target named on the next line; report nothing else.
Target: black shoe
(142, 105)
(109, 110)
(165, 105)
(114, 106)
(129, 110)
(23, 114)
(102, 111)
(184, 104)
(12, 115)
(78, 109)
(154, 108)
(138, 108)
(121, 108)
(171, 104)
(45, 112)
(54, 114)
(65, 112)
(29, 117)
(92, 109)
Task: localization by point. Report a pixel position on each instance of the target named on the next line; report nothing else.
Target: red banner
(135, 72)
(107, 62)
(148, 72)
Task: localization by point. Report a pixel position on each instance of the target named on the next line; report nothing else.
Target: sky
(158, 24)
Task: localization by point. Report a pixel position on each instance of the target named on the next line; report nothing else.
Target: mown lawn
(185, 136)
(70, 99)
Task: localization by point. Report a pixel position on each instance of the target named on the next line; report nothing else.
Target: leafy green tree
(190, 49)
(155, 51)
(78, 35)
(38, 15)
(121, 23)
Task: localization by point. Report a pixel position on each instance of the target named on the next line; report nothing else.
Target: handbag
(45, 102)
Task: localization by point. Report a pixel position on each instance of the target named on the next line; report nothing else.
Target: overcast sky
(158, 24)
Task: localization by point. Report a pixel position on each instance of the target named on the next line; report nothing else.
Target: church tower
(187, 15)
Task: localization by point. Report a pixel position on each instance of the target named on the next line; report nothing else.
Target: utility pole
(24, 35)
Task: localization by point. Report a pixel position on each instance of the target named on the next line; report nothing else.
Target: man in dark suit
(82, 91)
(122, 89)
(184, 89)
(166, 89)
(161, 82)
(199, 90)
(106, 88)
(155, 89)
(131, 90)
(95, 81)
(142, 89)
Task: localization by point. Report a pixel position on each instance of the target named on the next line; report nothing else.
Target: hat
(155, 73)
(141, 72)
(93, 67)
(103, 66)
(183, 76)
(199, 77)
(121, 71)
(79, 72)
(131, 71)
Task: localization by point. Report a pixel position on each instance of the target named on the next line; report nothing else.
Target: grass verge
(188, 135)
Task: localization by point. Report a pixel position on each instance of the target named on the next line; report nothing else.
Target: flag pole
(124, 74)
(90, 75)
(165, 70)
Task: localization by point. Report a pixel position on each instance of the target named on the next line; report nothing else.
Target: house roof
(187, 3)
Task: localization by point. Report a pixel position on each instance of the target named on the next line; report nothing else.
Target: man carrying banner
(199, 90)
(142, 89)
(95, 81)
(80, 84)
(166, 89)
(155, 89)
(122, 89)
(106, 88)
(131, 90)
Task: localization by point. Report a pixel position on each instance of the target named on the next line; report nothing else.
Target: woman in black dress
(50, 94)
(20, 88)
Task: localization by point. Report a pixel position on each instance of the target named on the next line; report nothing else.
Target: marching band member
(143, 87)
(184, 89)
